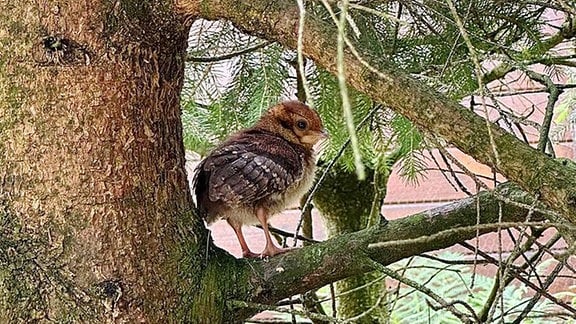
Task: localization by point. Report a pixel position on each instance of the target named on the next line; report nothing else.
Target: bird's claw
(272, 251)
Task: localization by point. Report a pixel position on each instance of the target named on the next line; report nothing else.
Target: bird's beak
(321, 136)
(314, 137)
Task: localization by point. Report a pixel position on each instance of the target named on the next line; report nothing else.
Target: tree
(98, 222)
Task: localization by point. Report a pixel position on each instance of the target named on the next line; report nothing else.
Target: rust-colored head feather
(295, 121)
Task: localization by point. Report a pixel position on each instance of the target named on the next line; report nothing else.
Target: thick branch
(320, 264)
(430, 110)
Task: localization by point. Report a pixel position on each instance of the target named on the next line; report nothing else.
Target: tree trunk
(345, 204)
(93, 189)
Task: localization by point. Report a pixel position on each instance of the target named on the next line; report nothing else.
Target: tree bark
(93, 188)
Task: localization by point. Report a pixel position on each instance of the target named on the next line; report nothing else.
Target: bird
(259, 171)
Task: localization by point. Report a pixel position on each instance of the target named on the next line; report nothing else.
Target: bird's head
(295, 122)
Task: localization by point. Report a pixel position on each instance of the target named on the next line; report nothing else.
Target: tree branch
(430, 110)
(317, 265)
(197, 59)
(536, 52)
(552, 99)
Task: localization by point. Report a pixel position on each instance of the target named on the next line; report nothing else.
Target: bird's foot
(273, 250)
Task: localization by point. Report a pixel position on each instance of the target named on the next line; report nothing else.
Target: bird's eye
(302, 124)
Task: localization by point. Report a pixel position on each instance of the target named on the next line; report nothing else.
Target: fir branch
(197, 59)
(567, 31)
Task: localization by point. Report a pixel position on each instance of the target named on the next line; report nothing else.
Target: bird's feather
(260, 171)
(250, 167)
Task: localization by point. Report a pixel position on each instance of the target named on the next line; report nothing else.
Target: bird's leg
(271, 249)
(237, 227)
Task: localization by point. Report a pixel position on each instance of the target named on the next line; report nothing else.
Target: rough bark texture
(92, 160)
(345, 204)
(278, 20)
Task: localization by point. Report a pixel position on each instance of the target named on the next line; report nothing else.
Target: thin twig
(380, 14)
(450, 307)
(196, 59)
(397, 296)
(537, 296)
(554, 93)
(333, 304)
(519, 91)
(525, 281)
(454, 231)
(441, 170)
(443, 152)
(537, 51)
(289, 234)
(354, 319)
(454, 262)
(346, 106)
(503, 277)
(300, 51)
(460, 165)
(478, 70)
(349, 291)
(353, 49)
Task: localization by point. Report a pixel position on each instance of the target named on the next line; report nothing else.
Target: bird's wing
(244, 172)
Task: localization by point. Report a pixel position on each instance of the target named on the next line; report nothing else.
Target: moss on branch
(346, 255)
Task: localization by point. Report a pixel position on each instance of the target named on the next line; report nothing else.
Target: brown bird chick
(259, 171)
